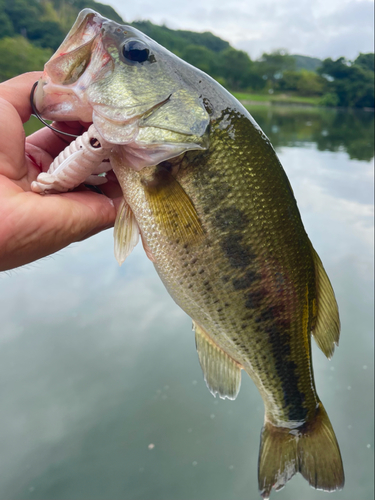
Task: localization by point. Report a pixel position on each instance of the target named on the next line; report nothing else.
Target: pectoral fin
(221, 373)
(126, 232)
(172, 208)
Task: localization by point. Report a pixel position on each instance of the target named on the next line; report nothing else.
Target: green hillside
(177, 40)
(31, 30)
(306, 62)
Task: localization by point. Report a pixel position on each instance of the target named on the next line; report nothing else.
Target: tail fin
(311, 450)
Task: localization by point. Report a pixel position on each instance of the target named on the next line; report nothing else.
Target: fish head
(134, 90)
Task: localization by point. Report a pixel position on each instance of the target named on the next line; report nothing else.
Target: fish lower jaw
(59, 103)
(62, 108)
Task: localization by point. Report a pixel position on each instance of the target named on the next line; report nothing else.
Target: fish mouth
(60, 94)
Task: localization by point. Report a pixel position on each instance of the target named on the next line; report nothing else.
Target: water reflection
(97, 363)
(331, 130)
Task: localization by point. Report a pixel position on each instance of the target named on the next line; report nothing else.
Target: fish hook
(36, 113)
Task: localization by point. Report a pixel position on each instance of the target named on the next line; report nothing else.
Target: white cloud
(319, 28)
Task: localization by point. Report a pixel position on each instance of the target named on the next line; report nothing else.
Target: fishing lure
(80, 162)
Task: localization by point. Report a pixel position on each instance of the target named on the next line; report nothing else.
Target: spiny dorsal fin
(126, 232)
(326, 330)
(221, 373)
(172, 208)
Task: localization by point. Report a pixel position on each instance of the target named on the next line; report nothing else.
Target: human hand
(33, 226)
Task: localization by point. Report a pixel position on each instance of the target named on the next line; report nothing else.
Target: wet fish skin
(245, 281)
(249, 281)
(218, 217)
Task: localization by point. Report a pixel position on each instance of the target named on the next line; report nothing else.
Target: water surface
(102, 395)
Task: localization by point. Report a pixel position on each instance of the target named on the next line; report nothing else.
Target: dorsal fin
(326, 330)
(221, 373)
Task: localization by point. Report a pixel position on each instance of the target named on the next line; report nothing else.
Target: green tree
(6, 25)
(17, 55)
(366, 61)
(177, 40)
(339, 69)
(353, 83)
(310, 84)
(329, 100)
(23, 14)
(202, 58)
(235, 66)
(46, 34)
(289, 80)
(271, 67)
(306, 83)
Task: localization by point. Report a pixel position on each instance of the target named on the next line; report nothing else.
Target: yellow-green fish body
(246, 275)
(218, 218)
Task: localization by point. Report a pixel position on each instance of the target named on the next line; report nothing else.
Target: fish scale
(220, 306)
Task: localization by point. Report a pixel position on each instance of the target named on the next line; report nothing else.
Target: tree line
(31, 30)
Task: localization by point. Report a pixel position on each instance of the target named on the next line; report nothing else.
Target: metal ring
(36, 113)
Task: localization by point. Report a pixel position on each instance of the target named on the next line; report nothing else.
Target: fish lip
(58, 103)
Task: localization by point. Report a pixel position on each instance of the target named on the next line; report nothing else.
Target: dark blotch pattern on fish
(265, 318)
(239, 255)
(225, 218)
(245, 281)
(219, 190)
(286, 368)
(254, 299)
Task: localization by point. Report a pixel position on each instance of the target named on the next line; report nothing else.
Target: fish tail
(311, 449)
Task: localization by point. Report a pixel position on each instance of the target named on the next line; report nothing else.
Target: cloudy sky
(318, 28)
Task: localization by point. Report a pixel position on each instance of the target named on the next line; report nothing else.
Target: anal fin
(221, 373)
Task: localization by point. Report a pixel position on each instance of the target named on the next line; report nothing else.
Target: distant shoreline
(277, 103)
(264, 100)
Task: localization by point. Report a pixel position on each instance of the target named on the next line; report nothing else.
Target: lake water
(102, 395)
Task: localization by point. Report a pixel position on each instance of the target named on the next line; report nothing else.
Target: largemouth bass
(217, 216)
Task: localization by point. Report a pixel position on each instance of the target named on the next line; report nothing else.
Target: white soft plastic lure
(80, 162)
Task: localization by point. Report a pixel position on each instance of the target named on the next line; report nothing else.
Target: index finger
(17, 92)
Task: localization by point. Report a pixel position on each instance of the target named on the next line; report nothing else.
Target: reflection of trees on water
(330, 130)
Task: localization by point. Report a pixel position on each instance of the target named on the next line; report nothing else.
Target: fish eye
(135, 51)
